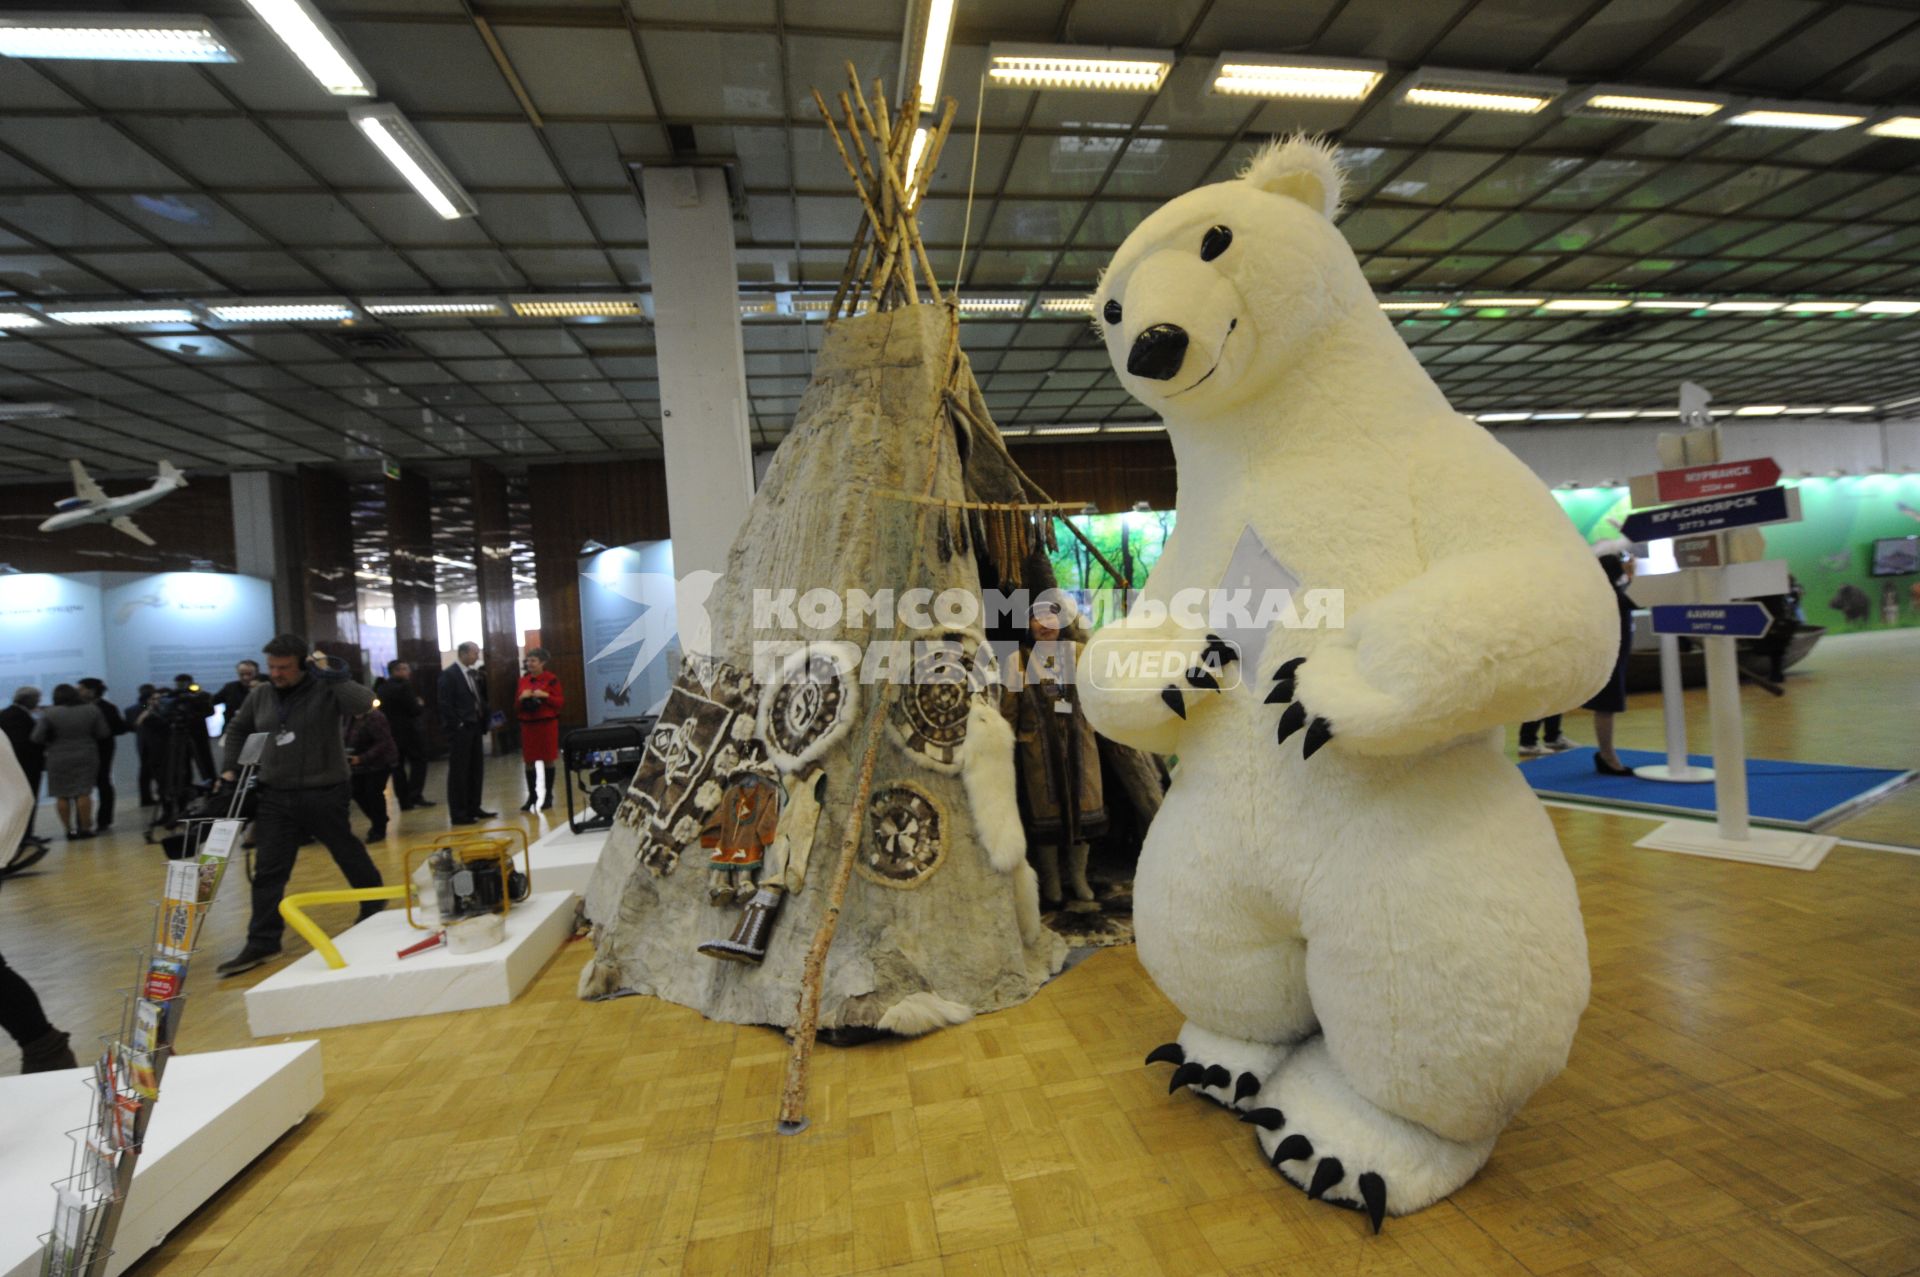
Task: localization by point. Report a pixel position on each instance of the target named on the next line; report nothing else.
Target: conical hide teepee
(941, 917)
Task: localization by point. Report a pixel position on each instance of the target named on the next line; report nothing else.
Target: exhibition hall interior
(959, 636)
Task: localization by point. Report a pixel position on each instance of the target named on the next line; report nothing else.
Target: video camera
(180, 704)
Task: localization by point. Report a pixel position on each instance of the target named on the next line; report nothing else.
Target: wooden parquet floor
(1743, 1098)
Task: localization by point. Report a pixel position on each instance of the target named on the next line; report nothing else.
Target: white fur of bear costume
(1369, 927)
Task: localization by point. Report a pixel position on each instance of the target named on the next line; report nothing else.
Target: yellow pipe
(293, 909)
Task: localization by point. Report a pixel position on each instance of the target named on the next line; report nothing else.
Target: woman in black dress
(1611, 699)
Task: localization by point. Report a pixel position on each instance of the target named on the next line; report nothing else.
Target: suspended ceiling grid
(161, 182)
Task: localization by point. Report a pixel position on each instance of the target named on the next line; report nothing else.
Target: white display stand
(377, 985)
(564, 861)
(1778, 847)
(217, 1112)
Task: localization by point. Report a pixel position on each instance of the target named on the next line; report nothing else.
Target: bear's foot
(1322, 1136)
(1228, 1071)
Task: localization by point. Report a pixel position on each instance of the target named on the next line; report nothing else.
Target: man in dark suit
(401, 704)
(17, 721)
(463, 712)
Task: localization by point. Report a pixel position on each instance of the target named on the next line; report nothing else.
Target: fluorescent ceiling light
(293, 312)
(933, 53)
(113, 37)
(1822, 308)
(1503, 416)
(915, 150)
(1888, 308)
(1041, 66)
(1853, 407)
(1411, 305)
(1625, 102)
(1613, 414)
(1589, 303)
(27, 411)
(147, 315)
(309, 38)
(1501, 301)
(1906, 126)
(763, 306)
(1558, 416)
(1067, 430)
(1015, 430)
(574, 307)
(1067, 305)
(1001, 305)
(1478, 91)
(1805, 412)
(1312, 79)
(18, 319)
(432, 308)
(1754, 307)
(1135, 430)
(1760, 410)
(1669, 305)
(1796, 115)
(410, 156)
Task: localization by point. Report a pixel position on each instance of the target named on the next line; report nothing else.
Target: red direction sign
(1709, 479)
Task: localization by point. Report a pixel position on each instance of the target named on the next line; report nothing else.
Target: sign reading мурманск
(1745, 510)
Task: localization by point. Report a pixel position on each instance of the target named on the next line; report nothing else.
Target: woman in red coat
(539, 701)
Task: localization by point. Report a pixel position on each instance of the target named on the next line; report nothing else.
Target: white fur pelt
(987, 771)
(924, 1012)
(1396, 901)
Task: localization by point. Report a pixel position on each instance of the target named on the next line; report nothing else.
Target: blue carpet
(1785, 795)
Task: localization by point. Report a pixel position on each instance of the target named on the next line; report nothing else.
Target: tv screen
(1896, 556)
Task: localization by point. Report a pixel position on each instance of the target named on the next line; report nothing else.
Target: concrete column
(263, 538)
(493, 581)
(703, 380)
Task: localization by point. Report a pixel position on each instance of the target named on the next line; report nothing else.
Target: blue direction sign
(1721, 620)
(1716, 514)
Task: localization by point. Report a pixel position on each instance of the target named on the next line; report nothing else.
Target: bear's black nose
(1158, 352)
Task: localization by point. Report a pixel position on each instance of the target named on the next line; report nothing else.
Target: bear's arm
(1480, 639)
(1120, 680)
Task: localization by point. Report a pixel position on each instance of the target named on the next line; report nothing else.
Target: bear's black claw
(1282, 692)
(1217, 1075)
(1187, 1073)
(1287, 668)
(1292, 721)
(1201, 678)
(1222, 652)
(1246, 1086)
(1265, 1119)
(1373, 1191)
(1319, 732)
(1328, 1173)
(1175, 702)
(1295, 1148)
(1167, 1053)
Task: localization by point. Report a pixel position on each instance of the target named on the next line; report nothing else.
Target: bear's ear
(1301, 168)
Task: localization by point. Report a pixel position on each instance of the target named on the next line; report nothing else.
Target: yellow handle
(293, 909)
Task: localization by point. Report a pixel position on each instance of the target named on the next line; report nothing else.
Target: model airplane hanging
(89, 504)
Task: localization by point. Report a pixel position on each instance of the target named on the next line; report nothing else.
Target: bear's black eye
(1112, 311)
(1215, 243)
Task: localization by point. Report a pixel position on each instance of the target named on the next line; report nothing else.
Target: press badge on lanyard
(286, 733)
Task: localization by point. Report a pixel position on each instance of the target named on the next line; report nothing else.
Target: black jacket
(18, 725)
(458, 705)
(314, 710)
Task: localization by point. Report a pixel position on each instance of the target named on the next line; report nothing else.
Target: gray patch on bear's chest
(1253, 573)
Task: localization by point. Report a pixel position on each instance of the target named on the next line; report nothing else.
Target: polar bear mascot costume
(1350, 893)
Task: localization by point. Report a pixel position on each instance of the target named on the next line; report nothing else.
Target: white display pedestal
(564, 860)
(1778, 847)
(1684, 775)
(376, 985)
(217, 1112)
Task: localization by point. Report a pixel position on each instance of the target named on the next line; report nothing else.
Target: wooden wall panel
(1110, 475)
(610, 502)
(415, 600)
(330, 592)
(194, 523)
